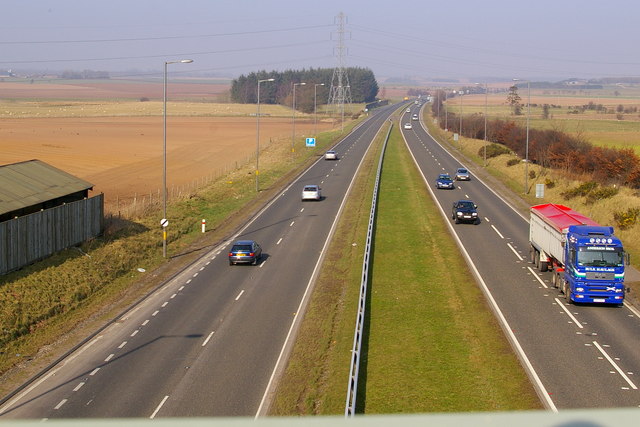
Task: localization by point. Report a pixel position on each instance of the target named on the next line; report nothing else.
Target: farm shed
(43, 210)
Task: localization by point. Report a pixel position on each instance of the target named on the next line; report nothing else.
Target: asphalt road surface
(578, 356)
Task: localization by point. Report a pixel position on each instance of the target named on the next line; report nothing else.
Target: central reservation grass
(433, 343)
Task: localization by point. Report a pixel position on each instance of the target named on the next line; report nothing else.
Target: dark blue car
(445, 181)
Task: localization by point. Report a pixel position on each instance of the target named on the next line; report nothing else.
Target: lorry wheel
(532, 255)
(554, 280)
(567, 292)
(536, 259)
(544, 266)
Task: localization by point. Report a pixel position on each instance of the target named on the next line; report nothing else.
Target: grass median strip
(433, 344)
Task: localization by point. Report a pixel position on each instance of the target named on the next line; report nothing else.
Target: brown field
(122, 156)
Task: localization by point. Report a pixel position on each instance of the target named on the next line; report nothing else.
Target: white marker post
(204, 224)
(164, 222)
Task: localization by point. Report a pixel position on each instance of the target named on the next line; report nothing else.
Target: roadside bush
(512, 162)
(600, 194)
(626, 219)
(532, 174)
(580, 190)
(494, 150)
(549, 183)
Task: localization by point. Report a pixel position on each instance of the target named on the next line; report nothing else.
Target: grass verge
(421, 354)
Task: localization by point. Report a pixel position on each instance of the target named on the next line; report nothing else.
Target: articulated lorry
(587, 259)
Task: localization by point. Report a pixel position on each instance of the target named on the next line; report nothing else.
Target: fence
(26, 239)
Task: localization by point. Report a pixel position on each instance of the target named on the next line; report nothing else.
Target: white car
(408, 110)
(414, 117)
(407, 125)
(331, 155)
(311, 192)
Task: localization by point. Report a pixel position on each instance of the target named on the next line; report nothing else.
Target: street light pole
(461, 93)
(164, 153)
(526, 150)
(293, 136)
(258, 135)
(315, 109)
(486, 92)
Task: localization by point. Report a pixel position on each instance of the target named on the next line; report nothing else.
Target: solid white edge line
(515, 252)
(303, 300)
(541, 389)
(538, 277)
(578, 324)
(158, 408)
(615, 365)
(496, 230)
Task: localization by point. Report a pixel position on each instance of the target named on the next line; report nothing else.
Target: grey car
(462, 174)
(245, 252)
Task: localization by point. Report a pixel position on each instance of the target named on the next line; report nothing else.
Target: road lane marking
(302, 210)
(155, 312)
(262, 263)
(145, 322)
(123, 344)
(207, 340)
(173, 296)
(188, 281)
(59, 405)
(133, 334)
(95, 371)
(239, 295)
(486, 219)
(538, 277)
(201, 268)
(181, 288)
(109, 357)
(158, 408)
(78, 387)
(292, 222)
(514, 251)
(164, 304)
(578, 324)
(496, 230)
(279, 240)
(195, 274)
(615, 365)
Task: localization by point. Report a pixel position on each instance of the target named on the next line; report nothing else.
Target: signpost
(311, 142)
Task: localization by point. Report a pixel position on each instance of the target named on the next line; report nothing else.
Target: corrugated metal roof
(29, 183)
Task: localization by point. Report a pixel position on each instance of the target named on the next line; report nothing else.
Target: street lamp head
(186, 61)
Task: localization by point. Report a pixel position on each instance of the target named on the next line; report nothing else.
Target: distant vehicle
(414, 117)
(407, 125)
(331, 155)
(462, 175)
(408, 110)
(465, 211)
(311, 192)
(245, 252)
(445, 181)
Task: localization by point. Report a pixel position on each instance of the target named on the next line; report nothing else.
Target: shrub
(580, 190)
(494, 150)
(549, 183)
(600, 194)
(626, 219)
(144, 99)
(512, 162)
(532, 174)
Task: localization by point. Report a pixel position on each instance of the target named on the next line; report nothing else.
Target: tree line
(244, 89)
(550, 148)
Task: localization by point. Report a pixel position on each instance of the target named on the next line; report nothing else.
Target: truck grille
(600, 275)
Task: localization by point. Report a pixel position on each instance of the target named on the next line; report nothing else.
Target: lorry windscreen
(600, 258)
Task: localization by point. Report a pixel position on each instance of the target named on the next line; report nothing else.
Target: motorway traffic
(578, 356)
(211, 340)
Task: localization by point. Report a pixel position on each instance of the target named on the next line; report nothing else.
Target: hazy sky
(474, 39)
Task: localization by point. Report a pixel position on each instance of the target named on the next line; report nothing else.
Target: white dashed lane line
(514, 251)
(207, 339)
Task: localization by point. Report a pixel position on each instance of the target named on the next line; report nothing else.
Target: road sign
(164, 222)
(311, 142)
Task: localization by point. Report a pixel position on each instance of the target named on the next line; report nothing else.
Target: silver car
(311, 192)
(462, 175)
(331, 155)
